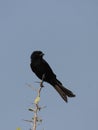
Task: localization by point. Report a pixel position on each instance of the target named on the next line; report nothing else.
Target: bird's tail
(64, 92)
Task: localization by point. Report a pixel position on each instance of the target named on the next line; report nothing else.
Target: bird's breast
(39, 70)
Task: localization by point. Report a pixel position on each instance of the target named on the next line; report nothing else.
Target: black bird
(40, 67)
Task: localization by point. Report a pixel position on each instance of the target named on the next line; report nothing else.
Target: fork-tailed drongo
(40, 67)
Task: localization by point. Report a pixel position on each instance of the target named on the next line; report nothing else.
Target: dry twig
(36, 119)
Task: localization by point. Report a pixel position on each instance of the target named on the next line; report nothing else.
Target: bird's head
(37, 54)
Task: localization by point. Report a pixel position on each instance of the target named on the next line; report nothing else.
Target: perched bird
(40, 67)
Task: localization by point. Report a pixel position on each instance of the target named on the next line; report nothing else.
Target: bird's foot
(41, 83)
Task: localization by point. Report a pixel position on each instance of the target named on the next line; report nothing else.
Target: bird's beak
(42, 54)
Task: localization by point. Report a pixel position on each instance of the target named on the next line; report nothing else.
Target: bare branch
(37, 108)
(35, 119)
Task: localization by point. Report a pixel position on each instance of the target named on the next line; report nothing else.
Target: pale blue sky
(67, 32)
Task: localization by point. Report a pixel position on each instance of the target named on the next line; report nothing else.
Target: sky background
(67, 32)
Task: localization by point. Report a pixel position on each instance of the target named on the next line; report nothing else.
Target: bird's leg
(41, 83)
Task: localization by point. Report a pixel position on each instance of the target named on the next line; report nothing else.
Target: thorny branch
(36, 108)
